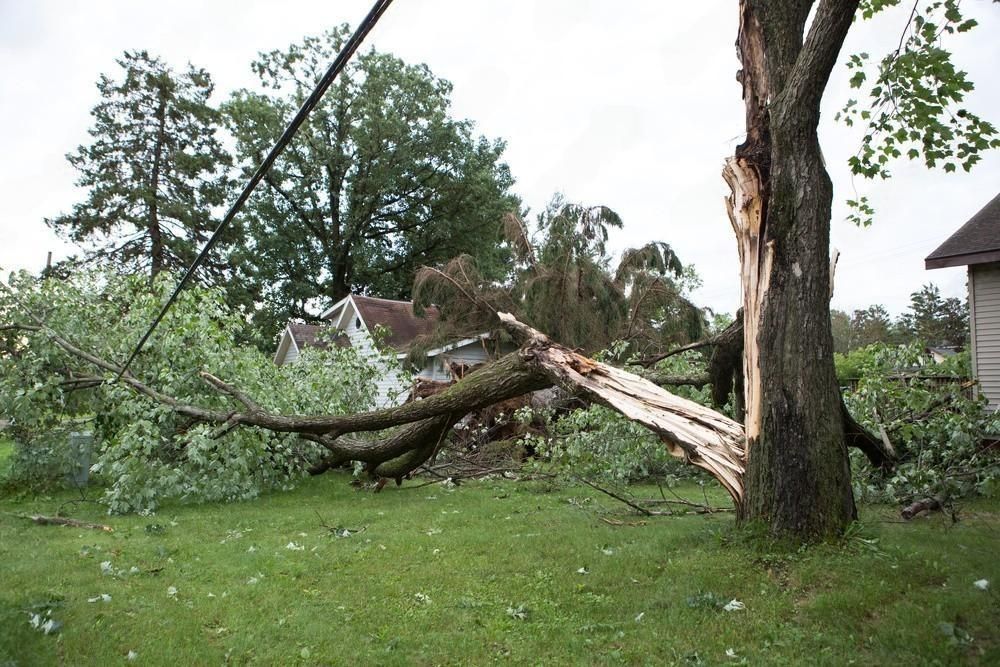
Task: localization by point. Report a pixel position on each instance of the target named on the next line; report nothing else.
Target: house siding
(984, 292)
(389, 387)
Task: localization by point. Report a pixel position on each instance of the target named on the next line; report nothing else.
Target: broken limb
(691, 431)
(63, 521)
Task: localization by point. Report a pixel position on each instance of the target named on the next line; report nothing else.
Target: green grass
(444, 577)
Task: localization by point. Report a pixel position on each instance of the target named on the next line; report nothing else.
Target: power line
(335, 68)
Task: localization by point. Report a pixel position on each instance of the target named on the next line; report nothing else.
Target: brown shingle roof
(305, 335)
(398, 317)
(975, 242)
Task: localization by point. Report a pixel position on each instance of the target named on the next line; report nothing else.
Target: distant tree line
(930, 320)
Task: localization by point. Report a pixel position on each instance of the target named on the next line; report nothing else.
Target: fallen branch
(63, 521)
(637, 508)
(699, 435)
(933, 504)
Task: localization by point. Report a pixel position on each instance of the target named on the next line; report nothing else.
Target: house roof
(404, 326)
(975, 242)
(306, 335)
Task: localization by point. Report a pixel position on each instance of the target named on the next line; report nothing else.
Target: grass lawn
(491, 572)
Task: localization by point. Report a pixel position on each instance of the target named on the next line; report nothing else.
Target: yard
(491, 571)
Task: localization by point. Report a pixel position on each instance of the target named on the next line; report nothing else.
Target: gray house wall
(984, 316)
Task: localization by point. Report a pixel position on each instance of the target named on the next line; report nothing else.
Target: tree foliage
(562, 282)
(912, 102)
(147, 453)
(930, 320)
(153, 172)
(378, 181)
(936, 321)
(941, 434)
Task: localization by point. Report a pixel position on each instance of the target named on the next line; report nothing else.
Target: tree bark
(157, 255)
(798, 473)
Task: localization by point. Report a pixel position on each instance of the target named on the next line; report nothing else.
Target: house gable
(976, 244)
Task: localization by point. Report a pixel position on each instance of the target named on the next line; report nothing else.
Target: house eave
(332, 309)
(459, 343)
(965, 259)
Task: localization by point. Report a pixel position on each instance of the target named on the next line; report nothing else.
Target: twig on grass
(61, 521)
(638, 508)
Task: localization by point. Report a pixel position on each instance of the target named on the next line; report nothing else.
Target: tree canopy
(380, 180)
(153, 172)
(562, 281)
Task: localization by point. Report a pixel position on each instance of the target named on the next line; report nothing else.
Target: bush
(145, 451)
(936, 428)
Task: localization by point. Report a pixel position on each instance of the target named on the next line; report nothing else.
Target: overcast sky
(629, 104)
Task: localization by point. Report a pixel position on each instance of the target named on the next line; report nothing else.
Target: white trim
(460, 343)
(283, 348)
(332, 309)
(357, 313)
(338, 324)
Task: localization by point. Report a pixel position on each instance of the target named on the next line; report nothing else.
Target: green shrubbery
(938, 430)
(599, 443)
(145, 452)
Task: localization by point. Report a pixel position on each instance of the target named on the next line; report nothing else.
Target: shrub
(145, 451)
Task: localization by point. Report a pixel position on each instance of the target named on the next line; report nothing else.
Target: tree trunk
(798, 473)
(157, 260)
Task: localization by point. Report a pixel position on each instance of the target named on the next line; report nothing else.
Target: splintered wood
(745, 208)
(700, 435)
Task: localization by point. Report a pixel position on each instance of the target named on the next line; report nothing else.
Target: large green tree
(797, 471)
(153, 172)
(380, 180)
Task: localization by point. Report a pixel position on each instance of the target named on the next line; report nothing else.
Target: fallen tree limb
(638, 508)
(933, 504)
(63, 521)
(697, 434)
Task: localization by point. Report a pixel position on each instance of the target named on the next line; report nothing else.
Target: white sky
(629, 104)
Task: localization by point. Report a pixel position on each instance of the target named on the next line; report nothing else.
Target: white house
(976, 245)
(357, 316)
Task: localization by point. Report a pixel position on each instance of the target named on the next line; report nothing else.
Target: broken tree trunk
(798, 473)
(703, 437)
(725, 375)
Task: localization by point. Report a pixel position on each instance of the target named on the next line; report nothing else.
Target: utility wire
(321, 86)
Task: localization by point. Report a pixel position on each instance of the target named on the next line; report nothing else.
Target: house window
(357, 323)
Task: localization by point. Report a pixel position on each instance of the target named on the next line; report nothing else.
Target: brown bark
(157, 255)
(923, 505)
(798, 474)
(63, 521)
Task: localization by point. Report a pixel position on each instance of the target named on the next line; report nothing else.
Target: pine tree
(153, 172)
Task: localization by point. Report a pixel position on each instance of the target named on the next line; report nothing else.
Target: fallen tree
(393, 442)
(699, 435)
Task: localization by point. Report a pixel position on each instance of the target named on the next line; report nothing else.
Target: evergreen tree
(562, 282)
(936, 321)
(153, 172)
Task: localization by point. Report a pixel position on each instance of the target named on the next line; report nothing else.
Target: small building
(976, 245)
(359, 317)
